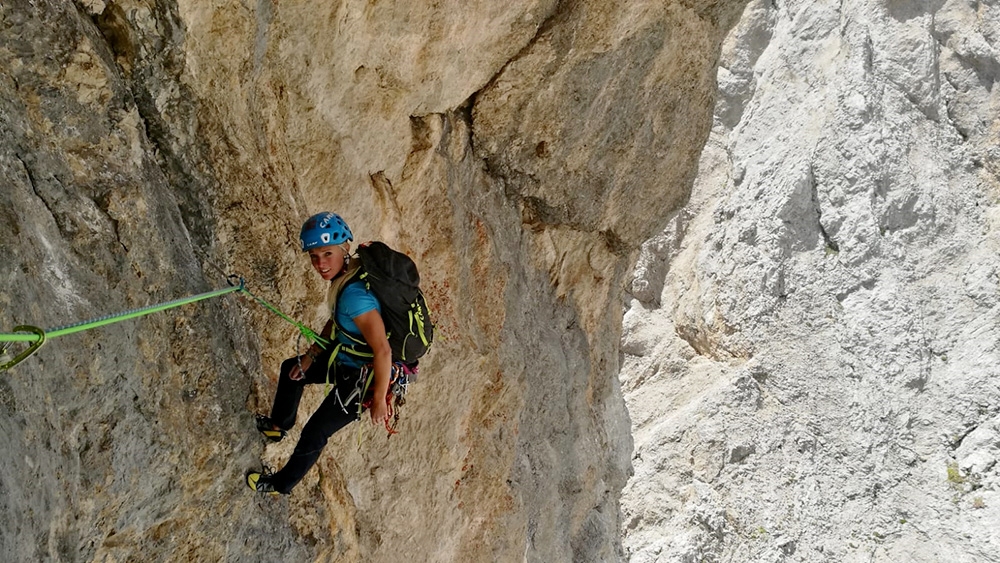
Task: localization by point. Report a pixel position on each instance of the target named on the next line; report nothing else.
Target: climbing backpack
(393, 279)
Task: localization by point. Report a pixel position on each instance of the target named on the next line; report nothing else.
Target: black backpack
(393, 278)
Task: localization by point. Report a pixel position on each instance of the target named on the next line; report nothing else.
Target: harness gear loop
(27, 352)
(400, 376)
(332, 363)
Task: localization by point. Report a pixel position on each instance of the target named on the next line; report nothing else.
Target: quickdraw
(27, 352)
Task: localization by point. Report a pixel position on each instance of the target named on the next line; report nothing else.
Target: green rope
(306, 331)
(37, 336)
(110, 319)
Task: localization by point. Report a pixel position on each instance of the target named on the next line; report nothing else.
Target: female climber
(354, 310)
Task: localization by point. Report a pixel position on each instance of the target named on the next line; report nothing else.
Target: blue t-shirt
(354, 301)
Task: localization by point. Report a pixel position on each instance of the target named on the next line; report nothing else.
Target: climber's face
(328, 260)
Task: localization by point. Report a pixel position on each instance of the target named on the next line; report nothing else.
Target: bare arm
(373, 329)
(327, 331)
(311, 352)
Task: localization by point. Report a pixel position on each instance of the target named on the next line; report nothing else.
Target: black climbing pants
(331, 416)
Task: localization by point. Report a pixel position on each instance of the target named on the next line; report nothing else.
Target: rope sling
(37, 337)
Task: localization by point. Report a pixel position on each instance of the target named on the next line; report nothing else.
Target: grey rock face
(819, 380)
(124, 440)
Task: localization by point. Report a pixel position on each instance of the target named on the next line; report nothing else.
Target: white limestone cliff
(811, 346)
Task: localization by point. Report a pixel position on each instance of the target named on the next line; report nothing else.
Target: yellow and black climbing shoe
(268, 429)
(260, 482)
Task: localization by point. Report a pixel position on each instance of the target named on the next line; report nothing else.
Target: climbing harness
(36, 336)
(400, 376)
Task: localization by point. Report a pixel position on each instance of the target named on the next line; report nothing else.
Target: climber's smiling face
(328, 261)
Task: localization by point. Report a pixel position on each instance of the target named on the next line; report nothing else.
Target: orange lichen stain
(491, 285)
(440, 301)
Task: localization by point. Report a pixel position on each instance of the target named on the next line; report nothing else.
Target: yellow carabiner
(30, 350)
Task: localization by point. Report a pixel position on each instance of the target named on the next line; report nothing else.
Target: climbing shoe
(266, 427)
(260, 482)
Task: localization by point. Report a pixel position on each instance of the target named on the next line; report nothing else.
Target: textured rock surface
(811, 347)
(142, 143)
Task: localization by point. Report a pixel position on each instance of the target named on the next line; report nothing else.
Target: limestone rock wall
(520, 152)
(811, 343)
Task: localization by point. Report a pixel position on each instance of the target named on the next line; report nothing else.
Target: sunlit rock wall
(812, 345)
(521, 152)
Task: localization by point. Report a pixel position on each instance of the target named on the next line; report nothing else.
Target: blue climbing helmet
(324, 229)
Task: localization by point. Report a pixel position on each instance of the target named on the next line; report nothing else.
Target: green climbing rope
(111, 319)
(37, 336)
(306, 331)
